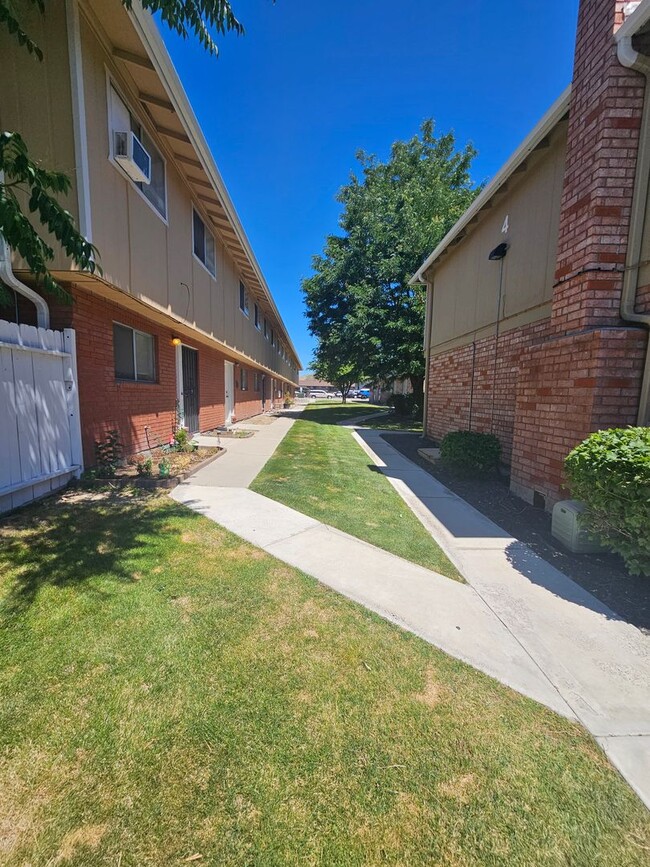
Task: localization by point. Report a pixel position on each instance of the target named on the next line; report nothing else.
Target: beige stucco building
(180, 323)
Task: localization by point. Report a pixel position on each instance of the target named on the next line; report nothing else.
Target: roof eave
(157, 52)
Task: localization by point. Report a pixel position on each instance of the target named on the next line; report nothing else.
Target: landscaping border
(152, 484)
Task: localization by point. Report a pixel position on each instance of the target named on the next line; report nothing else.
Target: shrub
(610, 473)
(145, 468)
(108, 454)
(164, 468)
(406, 405)
(182, 441)
(470, 451)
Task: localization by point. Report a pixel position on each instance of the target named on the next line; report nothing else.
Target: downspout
(8, 277)
(633, 60)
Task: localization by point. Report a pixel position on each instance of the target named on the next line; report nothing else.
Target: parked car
(318, 393)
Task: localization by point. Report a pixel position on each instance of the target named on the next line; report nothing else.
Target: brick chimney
(586, 375)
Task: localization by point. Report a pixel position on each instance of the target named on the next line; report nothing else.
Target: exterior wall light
(498, 252)
(176, 341)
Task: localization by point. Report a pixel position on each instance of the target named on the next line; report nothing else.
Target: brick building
(538, 299)
(179, 327)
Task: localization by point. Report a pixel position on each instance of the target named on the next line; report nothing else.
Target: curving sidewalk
(518, 618)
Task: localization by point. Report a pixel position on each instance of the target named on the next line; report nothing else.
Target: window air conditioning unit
(131, 154)
(565, 527)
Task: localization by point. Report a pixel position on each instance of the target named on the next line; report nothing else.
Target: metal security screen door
(191, 388)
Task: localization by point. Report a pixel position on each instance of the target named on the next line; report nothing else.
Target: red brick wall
(603, 137)
(107, 403)
(450, 385)
(248, 402)
(587, 375)
(568, 387)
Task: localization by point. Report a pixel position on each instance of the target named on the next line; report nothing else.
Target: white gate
(40, 433)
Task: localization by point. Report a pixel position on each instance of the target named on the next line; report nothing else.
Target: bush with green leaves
(610, 473)
(470, 451)
(145, 468)
(406, 405)
(183, 441)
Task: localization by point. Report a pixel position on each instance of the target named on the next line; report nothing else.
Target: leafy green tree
(394, 213)
(335, 362)
(21, 178)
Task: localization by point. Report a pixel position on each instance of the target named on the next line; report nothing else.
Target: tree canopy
(22, 179)
(394, 213)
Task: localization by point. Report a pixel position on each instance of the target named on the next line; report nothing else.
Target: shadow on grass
(325, 414)
(68, 540)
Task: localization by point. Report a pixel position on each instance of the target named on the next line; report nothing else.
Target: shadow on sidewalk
(486, 509)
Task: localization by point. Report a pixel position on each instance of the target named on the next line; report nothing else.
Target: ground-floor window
(243, 379)
(134, 353)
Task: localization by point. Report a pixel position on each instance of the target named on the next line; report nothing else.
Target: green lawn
(394, 422)
(320, 470)
(169, 691)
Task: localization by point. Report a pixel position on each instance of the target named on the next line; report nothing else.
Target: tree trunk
(417, 384)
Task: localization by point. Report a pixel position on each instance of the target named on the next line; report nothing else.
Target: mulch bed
(604, 575)
(183, 464)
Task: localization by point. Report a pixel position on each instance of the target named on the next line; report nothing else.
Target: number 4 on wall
(506, 225)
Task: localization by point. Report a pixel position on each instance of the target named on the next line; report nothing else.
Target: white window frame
(135, 331)
(110, 82)
(266, 328)
(214, 241)
(257, 316)
(243, 379)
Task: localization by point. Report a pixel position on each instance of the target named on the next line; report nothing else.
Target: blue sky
(285, 107)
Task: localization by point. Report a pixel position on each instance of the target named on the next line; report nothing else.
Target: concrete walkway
(518, 619)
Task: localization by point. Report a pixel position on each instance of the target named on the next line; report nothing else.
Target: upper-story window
(203, 243)
(121, 120)
(257, 317)
(266, 328)
(272, 337)
(243, 299)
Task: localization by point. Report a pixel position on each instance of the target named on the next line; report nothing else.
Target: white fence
(40, 433)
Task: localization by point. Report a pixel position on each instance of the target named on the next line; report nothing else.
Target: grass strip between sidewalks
(170, 694)
(321, 471)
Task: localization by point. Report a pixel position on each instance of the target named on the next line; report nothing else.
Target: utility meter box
(567, 530)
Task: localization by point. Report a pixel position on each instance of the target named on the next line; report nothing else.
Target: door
(229, 375)
(263, 392)
(190, 363)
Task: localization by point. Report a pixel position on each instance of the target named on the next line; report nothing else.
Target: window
(256, 381)
(243, 379)
(266, 328)
(134, 353)
(272, 337)
(203, 243)
(257, 317)
(243, 299)
(121, 120)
